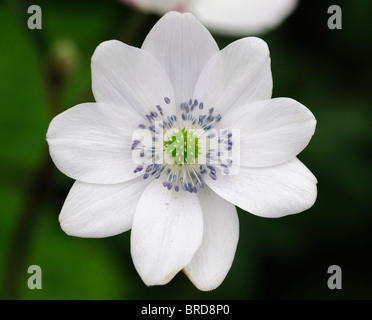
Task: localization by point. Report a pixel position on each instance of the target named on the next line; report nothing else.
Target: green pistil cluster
(183, 147)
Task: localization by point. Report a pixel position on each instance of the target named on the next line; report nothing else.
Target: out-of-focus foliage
(329, 71)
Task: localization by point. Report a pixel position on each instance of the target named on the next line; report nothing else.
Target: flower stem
(28, 219)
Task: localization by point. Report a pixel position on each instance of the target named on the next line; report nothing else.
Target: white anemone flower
(238, 17)
(182, 215)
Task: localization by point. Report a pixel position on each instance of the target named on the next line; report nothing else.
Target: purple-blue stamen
(188, 177)
(138, 169)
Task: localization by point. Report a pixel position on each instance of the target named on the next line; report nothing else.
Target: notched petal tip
(103, 46)
(67, 227)
(201, 287)
(161, 281)
(257, 44)
(171, 13)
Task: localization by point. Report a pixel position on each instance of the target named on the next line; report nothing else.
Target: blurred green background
(44, 72)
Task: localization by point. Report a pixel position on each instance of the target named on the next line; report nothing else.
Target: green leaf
(72, 268)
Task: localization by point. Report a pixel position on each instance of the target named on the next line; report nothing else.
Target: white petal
(269, 192)
(213, 260)
(92, 143)
(183, 46)
(241, 16)
(158, 6)
(238, 74)
(271, 132)
(167, 230)
(96, 211)
(127, 76)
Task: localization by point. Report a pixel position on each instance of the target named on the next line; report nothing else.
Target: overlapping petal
(97, 210)
(167, 230)
(184, 53)
(211, 263)
(271, 132)
(271, 191)
(129, 77)
(238, 74)
(91, 143)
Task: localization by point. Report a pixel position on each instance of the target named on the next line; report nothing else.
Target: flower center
(184, 149)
